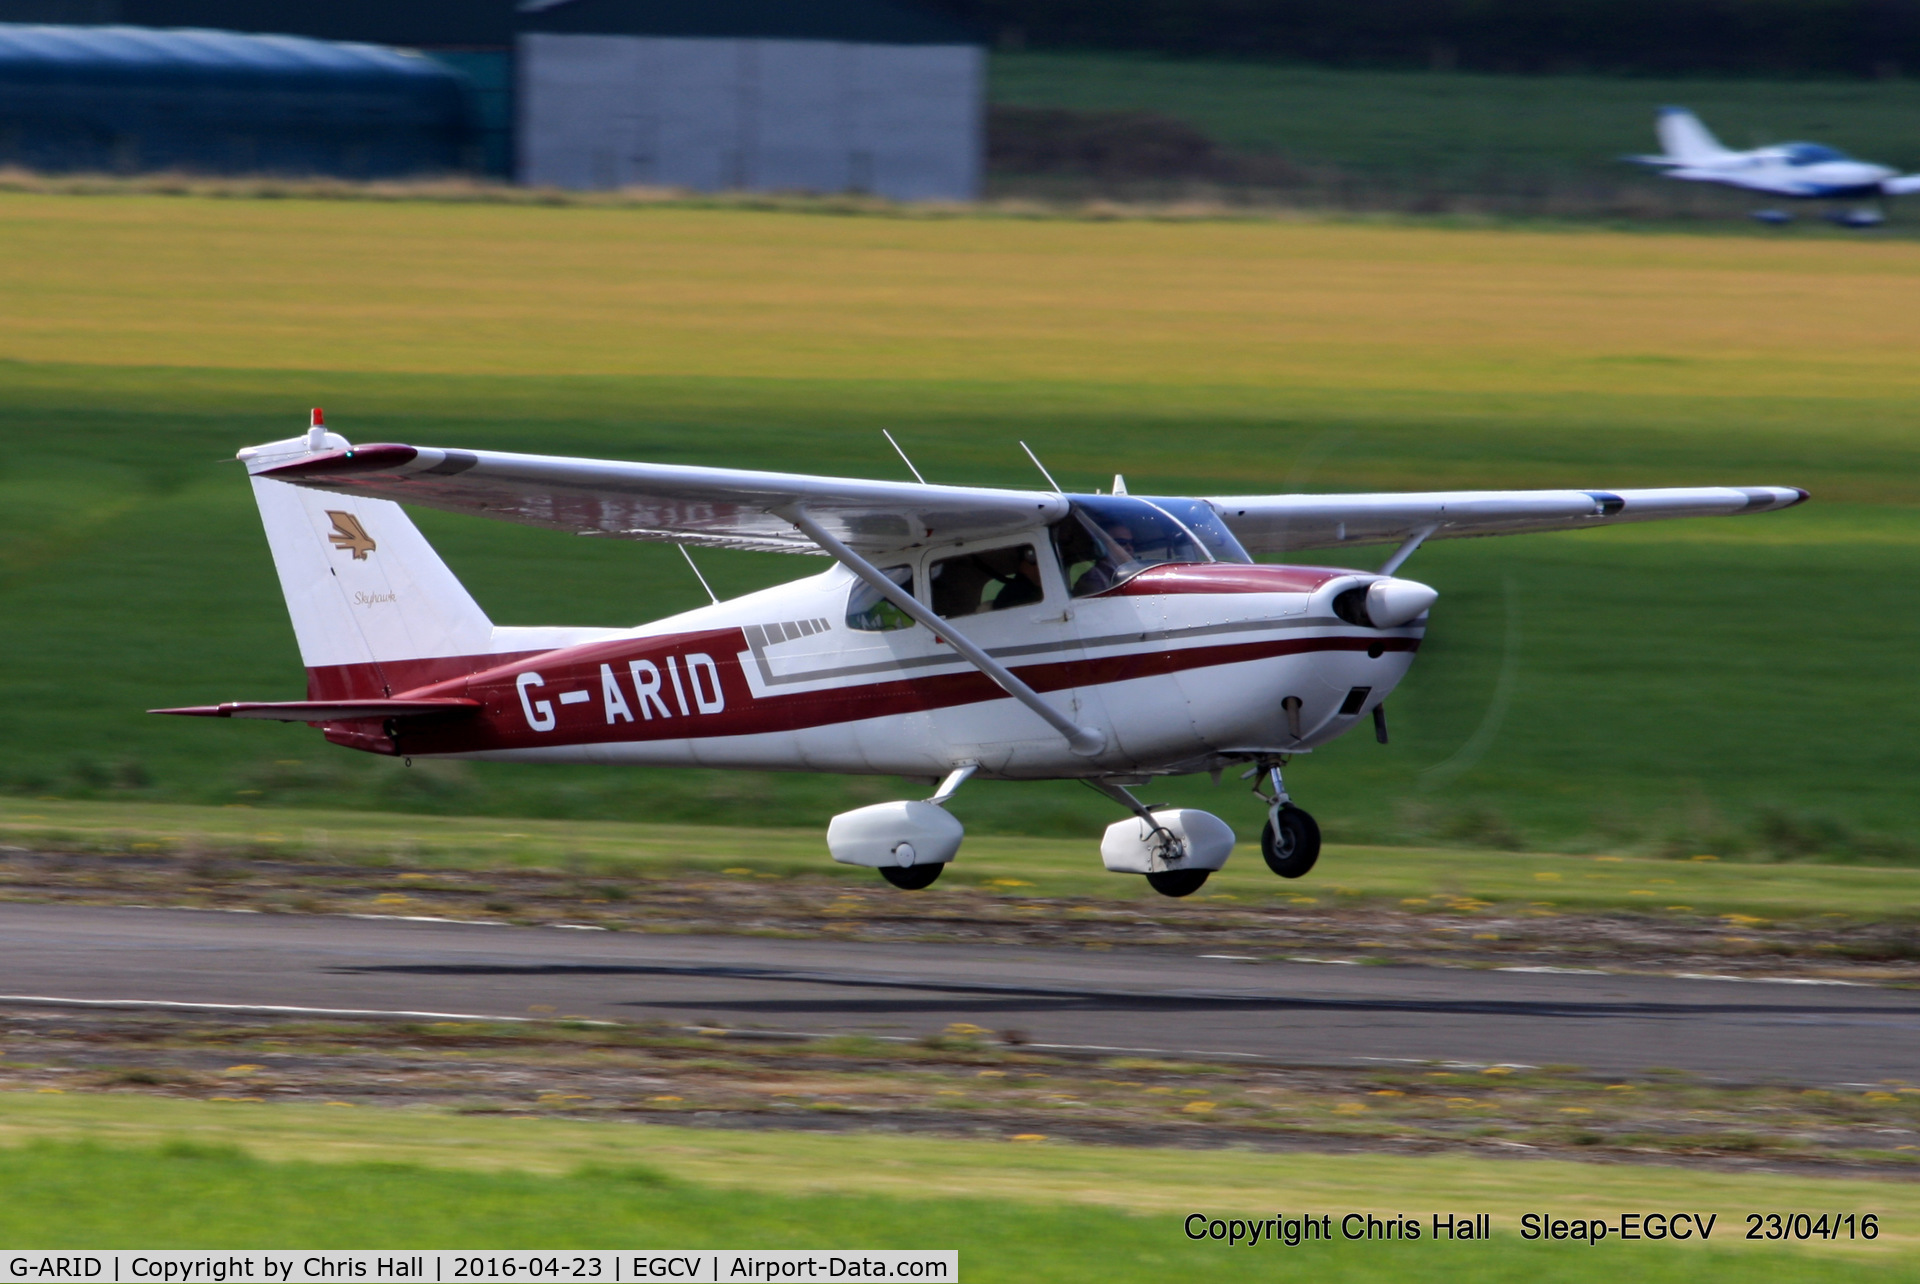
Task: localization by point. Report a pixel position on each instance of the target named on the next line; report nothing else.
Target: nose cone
(1393, 602)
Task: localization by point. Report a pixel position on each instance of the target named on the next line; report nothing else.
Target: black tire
(1178, 882)
(1291, 852)
(911, 878)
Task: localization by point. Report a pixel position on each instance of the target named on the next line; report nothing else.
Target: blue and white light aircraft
(1801, 171)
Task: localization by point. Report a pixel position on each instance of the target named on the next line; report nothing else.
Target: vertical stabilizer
(369, 597)
(1685, 139)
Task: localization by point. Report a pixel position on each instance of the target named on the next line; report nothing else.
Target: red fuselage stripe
(504, 721)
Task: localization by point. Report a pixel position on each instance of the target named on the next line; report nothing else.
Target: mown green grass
(141, 1172)
(188, 1196)
(1729, 687)
(1436, 878)
(1456, 130)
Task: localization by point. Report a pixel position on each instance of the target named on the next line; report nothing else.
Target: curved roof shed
(137, 98)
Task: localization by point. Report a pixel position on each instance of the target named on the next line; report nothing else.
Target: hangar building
(131, 98)
(807, 95)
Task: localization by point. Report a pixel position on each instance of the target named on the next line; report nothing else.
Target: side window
(1084, 558)
(871, 613)
(991, 580)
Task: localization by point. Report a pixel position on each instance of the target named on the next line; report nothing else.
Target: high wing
(717, 507)
(736, 508)
(1276, 523)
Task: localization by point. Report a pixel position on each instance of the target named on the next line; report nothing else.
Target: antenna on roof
(697, 575)
(903, 457)
(1043, 469)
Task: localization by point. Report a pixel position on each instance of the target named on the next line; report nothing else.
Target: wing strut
(1085, 741)
(1406, 550)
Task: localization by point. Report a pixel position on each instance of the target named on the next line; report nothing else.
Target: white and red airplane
(962, 631)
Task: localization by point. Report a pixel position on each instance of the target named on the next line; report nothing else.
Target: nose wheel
(1290, 842)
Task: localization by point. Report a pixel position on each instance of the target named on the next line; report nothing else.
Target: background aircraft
(1802, 171)
(964, 631)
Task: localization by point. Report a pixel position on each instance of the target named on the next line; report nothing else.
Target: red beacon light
(317, 431)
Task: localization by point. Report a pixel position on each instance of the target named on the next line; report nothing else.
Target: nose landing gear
(1290, 841)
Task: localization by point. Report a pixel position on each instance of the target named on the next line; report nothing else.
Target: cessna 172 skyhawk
(961, 631)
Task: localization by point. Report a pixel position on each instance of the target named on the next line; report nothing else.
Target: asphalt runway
(1134, 1001)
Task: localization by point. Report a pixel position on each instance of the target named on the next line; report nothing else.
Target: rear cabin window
(868, 612)
(993, 579)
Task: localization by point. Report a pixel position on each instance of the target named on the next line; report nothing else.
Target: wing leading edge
(738, 508)
(1277, 523)
(683, 504)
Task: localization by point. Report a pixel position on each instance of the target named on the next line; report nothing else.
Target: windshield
(1110, 538)
(1198, 516)
(1812, 154)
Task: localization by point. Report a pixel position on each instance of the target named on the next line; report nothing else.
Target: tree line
(1876, 38)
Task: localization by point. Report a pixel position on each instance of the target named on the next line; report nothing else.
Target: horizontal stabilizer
(1904, 185)
(328, 710)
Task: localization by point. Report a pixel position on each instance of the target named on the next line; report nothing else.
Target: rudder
(1685, 139)
(373, 606)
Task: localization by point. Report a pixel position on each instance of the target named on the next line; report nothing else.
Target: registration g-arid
(962, 632)
(484, 1266)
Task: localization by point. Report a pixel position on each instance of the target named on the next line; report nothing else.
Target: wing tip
(379, 457)
(1769, 499)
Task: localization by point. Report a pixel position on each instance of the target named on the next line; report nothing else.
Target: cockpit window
(1199, 517)
(1811, 154)
(1107, 539)
(871, 613)
(993, 579)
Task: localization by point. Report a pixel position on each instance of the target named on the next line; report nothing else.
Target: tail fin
(1685, 139)
(370, 599)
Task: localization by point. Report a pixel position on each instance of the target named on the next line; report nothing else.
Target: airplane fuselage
(1184, 667)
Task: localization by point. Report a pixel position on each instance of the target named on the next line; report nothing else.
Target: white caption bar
(374, 1266)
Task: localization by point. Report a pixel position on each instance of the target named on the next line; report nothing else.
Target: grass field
(90, 1172)
(1348, 875)
(1460, 133)
(1727, 687)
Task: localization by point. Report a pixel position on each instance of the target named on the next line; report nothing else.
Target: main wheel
(1292, 849)
(1178, 882)
(911, 878)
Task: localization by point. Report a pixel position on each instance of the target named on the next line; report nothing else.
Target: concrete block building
(717, 114)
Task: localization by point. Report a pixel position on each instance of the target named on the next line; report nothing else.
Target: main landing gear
(1177, 882)
(1290, 841)
(908, 842)
(1176, 848)
(911, 878)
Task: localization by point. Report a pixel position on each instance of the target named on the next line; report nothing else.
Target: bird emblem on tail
(349, 535)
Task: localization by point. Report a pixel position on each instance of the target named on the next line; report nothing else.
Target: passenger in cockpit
(1024, 588)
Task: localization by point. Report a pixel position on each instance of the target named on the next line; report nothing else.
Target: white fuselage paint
(1206, 692)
